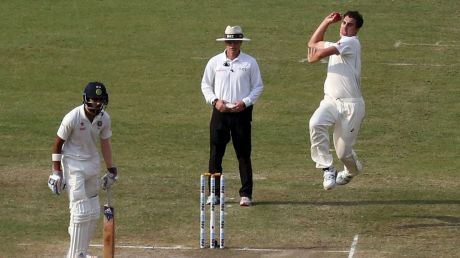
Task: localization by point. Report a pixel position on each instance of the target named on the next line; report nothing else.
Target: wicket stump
(212, 236)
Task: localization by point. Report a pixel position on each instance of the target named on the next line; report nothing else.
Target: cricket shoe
(245, 201)
(215, 200)
(330, 175)
(344, 177)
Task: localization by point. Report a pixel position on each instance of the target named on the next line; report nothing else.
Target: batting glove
(56, 182)
(109, 178)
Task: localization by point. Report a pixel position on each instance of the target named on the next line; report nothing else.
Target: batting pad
(79, 241)
(95, 214)
(83, 220)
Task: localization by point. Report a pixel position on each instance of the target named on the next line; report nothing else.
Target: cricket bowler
(343, 105)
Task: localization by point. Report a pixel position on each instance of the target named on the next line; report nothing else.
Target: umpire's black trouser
(238, 127)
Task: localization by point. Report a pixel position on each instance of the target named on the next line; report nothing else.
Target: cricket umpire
(232, 84)
(76, 164)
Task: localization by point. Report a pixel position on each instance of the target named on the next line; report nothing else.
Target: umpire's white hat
(233, 33)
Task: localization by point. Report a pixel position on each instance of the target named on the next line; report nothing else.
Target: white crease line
(399, 43)
(420, 64)
(429, 45)
(353, 247)
(323, 60)
(257, 249)
(199, 58)
(180, 247)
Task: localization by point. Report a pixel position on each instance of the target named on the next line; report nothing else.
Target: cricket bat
(109, 227)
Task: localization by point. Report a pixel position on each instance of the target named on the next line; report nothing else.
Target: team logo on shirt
(82, 126)
(99, 123)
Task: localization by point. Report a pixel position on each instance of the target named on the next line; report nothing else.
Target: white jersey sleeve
(207, 83)
(67, 125)
(106, 129)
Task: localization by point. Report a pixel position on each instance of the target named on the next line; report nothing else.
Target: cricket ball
(336, 17)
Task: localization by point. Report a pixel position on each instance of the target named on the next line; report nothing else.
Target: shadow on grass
(441, 221)
(358, 203)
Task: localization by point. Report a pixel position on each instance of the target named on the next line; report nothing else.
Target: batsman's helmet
(95, 97)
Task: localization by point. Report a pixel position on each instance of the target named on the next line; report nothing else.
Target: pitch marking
(323, 61)
(399, 43)
(353, 247)
(180, 247)
(420, 64)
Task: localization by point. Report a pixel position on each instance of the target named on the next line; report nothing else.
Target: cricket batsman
(343, 106)
(76, 164)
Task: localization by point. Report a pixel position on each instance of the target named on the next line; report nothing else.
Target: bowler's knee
(312, 123)
(315, 124)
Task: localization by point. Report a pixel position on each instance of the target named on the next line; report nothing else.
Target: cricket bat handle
(109, 196)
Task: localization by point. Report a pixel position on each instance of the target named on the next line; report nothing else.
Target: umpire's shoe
(215, 200)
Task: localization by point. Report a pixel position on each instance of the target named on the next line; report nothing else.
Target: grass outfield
(151, 55)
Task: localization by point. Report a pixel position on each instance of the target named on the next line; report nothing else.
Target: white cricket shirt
(344, 70)
(81, 136)
(232, 80)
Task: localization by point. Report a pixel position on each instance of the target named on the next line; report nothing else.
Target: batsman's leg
(84, 211)
(95, 215)
(79, 229)
(92, 189)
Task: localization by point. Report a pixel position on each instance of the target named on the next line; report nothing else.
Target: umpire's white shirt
(344, 71)
(232, 80)
(81, 136)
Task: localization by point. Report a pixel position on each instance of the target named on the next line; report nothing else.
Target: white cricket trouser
(82, 179)
(346, 114)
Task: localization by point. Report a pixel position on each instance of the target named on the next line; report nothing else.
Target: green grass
(151, 55)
